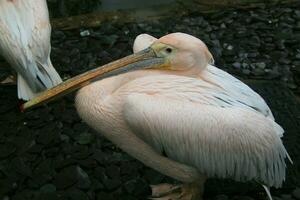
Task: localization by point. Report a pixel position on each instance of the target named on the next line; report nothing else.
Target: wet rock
(246, 71)
(111, 183)
(100, 173)
(113, 171)
(261, 65)
(49, 135)
(85, 33)
(21, 167)
(42, 174)
(66, 177)
(84, 181)
(48, 188)
(236, 65)
(84, 138)
(258, 72)
(6, 150)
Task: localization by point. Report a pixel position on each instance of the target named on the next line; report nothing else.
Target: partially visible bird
(25, 43)
(181, 116)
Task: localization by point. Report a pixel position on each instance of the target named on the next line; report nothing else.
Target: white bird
(181, 116)
(25, 43)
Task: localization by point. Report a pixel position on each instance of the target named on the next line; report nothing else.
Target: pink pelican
(178, 114)
(25, 43)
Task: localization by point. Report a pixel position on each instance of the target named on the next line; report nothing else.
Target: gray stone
(261, 65)
(237, 65)
(246, 71)
(48, 188)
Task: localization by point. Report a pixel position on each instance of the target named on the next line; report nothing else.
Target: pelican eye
(169, 50)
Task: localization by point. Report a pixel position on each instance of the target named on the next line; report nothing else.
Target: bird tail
(267, 189)
(24, 91)
(46, 77)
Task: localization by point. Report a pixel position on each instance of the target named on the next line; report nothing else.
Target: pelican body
(25, 43)
(184, 117)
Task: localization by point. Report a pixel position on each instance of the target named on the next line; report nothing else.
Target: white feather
(218, 145)
(24, 91)
(25, 43)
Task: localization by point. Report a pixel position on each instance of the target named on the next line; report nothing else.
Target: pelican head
(182, 52)
(176, 52)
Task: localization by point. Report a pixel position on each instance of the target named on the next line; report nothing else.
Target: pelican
(169, 107)
(25, 43)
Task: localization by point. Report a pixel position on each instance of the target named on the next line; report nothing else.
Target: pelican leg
(189, 191)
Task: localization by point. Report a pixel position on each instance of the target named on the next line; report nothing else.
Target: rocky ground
(48, 153)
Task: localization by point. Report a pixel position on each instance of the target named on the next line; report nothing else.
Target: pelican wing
(236, 89)
(233, 87)
(193, 125)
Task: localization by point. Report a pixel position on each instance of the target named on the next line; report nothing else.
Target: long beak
(140, 60)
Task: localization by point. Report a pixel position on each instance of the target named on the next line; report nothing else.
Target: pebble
(237, 65)
(85, 33)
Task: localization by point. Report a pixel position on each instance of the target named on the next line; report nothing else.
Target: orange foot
(10, 80)
(166, 191)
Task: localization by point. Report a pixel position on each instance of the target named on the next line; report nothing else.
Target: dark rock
(76, 194)
(258, 72)
(21, 167)
(81, 152)
(246, 71)
(66, 178)
(42, 173)
(137, 187)
(261, 65)
(6, 150)
(84, 181)
(49, 135)
(113, 171)
(85, 138)
(111, 184)
(100, 173)
(48, 188)
(236, 65)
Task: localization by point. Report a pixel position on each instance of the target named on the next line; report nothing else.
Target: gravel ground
(49, 153)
